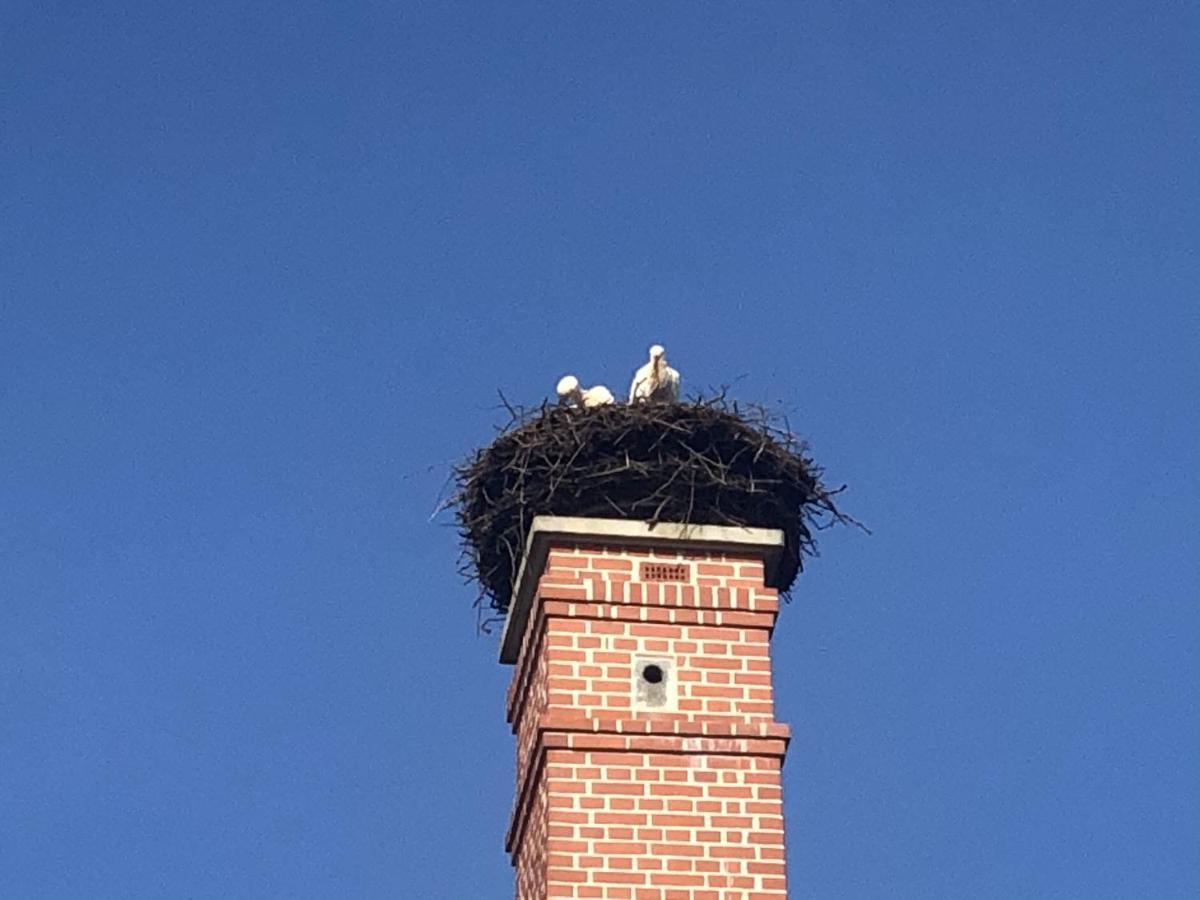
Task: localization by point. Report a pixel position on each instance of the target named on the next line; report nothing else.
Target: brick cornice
(768, 543)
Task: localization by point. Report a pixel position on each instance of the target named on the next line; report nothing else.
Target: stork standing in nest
(655, 382)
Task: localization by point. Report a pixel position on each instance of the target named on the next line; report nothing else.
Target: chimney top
(547, 530)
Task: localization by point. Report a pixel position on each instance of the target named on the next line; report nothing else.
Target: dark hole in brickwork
(665, 572)
(652, 674)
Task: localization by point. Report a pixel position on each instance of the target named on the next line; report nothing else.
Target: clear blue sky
(263, 268)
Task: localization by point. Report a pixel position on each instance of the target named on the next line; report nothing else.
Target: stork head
(657, 352)
(568, 387)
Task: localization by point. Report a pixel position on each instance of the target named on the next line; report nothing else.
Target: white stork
(571, 393)
(655, 382)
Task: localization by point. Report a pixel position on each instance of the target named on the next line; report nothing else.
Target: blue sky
(264, 268)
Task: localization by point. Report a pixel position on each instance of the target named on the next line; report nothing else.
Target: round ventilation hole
(652, 674)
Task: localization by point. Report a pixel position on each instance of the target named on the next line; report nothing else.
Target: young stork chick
(655, 382)
(571, 393)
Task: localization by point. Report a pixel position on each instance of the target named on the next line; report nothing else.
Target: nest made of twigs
(706, 461)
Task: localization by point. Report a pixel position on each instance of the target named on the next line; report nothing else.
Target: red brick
(618, 802)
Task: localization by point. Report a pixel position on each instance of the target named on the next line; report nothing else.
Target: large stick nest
(707, 461)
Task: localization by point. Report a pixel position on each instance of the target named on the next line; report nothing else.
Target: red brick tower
(648, 755)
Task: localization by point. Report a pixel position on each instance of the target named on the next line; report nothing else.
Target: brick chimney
(648, 755)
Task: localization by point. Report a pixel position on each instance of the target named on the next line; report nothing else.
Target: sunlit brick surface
(619, 802)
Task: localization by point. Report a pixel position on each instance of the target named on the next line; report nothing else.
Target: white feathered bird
(569, 391)
(655, 382)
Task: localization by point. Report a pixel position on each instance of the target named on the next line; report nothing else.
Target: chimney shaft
(648, 755)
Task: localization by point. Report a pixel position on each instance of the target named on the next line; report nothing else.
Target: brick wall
(648, 756)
